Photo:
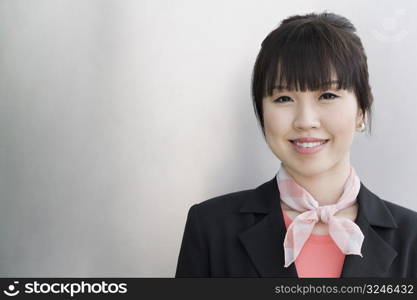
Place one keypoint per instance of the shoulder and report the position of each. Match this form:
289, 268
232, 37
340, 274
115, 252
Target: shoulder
386, 214
404, 221
224, 204
228, 213
404, 217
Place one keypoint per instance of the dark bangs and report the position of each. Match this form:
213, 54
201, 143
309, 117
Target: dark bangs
310, 53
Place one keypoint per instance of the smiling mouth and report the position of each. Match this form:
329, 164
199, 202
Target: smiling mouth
309, 144
308, 147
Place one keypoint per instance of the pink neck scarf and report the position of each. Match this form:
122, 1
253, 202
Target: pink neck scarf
345, 233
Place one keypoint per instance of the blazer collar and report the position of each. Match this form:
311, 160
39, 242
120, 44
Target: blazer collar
264, 240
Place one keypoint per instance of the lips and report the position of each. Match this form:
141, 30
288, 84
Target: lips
308, 140
308, 145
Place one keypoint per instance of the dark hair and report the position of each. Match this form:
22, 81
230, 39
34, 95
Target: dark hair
304, 52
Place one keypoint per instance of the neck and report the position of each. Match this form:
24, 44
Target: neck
326, 187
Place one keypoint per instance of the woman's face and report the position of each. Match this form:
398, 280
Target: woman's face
332, 115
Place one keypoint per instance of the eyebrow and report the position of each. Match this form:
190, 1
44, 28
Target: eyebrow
330, 83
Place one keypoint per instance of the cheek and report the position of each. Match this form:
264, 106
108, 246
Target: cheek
276, 123
343, 129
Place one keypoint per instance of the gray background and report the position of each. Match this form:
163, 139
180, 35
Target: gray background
117, 116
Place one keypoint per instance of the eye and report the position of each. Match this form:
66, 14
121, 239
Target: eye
283, 99
328, 96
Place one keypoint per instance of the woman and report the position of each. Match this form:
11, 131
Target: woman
315, 218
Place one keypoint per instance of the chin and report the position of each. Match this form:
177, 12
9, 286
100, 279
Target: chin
308, 169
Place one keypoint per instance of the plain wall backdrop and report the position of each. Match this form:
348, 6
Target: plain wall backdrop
117, 116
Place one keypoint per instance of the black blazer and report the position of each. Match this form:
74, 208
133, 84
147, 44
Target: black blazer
241, 234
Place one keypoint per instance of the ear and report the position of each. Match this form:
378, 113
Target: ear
360, 117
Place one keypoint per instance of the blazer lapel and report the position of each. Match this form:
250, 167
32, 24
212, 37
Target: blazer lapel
264, 240
377, 254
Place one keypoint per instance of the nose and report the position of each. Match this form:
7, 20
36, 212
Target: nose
306, 117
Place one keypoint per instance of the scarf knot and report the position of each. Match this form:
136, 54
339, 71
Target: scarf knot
325, 212
344, 232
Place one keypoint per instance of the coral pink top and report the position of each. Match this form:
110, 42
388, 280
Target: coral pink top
320, 257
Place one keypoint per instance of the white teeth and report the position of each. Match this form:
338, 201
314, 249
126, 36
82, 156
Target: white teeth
309, 145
